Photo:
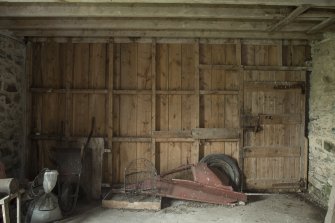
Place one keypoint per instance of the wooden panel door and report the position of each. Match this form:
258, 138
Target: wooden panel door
274, 146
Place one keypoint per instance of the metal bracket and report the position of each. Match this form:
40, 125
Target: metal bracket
257, 127
298, 85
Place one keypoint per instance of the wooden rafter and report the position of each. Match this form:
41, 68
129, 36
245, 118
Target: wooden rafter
165, 33
320, 3
322, 25
155, 18
135, 11
144, 24
294, 14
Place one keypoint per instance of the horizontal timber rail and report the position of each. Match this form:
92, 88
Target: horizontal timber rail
166, 40
260, 68
130, 92
73, 91
129, 138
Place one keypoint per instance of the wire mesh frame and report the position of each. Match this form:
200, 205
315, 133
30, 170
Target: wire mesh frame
140, 177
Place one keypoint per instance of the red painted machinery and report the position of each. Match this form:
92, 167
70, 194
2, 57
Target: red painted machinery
206, 182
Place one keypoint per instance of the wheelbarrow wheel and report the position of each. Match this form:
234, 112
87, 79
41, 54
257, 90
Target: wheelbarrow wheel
226, 165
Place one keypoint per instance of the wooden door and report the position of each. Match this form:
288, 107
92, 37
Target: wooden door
274, 156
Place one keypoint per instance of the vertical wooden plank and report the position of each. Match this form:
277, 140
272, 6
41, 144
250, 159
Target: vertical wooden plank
287, 53
264, 104
128, 115
261, 55
248, 54
97, 80
241, 111
231, 111
278, 170
52, 103
218, 78
67, 70
114, 158
188, 83
116, 162
187, 66
231, 54
162, 119
218, 108
186, 156
144, 102
205, 83
127, 154
248, 58
235, 152
280, 53
250, 105
299, 55
28, 118
304, 155
153, 102
97, 146
205, 52
164, 157
218, 54
116, 85
175, 102
128, 104
196, 144
144, 64
109, 111
162, 66
228, 148
80, 80
162, 109
175, 155
128, 78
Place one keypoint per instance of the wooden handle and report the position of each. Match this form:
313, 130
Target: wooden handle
9, 185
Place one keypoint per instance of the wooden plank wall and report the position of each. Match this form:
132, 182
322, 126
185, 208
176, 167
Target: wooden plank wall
220, 109
147, 97
175, 112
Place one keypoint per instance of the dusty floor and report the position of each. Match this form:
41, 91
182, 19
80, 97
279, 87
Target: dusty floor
276, 208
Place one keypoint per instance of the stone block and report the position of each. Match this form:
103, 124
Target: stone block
11, 87
329, 146
12, 74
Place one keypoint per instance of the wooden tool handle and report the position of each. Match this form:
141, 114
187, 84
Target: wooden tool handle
9, 185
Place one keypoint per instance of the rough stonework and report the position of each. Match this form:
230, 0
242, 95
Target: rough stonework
322, 120
12, 104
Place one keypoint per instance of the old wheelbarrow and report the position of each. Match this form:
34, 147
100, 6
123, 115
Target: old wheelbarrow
212, 180
70, 162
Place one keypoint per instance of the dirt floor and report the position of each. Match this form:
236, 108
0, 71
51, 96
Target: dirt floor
275, 208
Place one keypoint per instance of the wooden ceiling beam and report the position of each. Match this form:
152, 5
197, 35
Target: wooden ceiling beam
143, 24
135, 11
294, 14
165, 33
317, 3
324, 24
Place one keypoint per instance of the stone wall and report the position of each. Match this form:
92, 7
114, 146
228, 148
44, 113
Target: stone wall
322, 120
12, 104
